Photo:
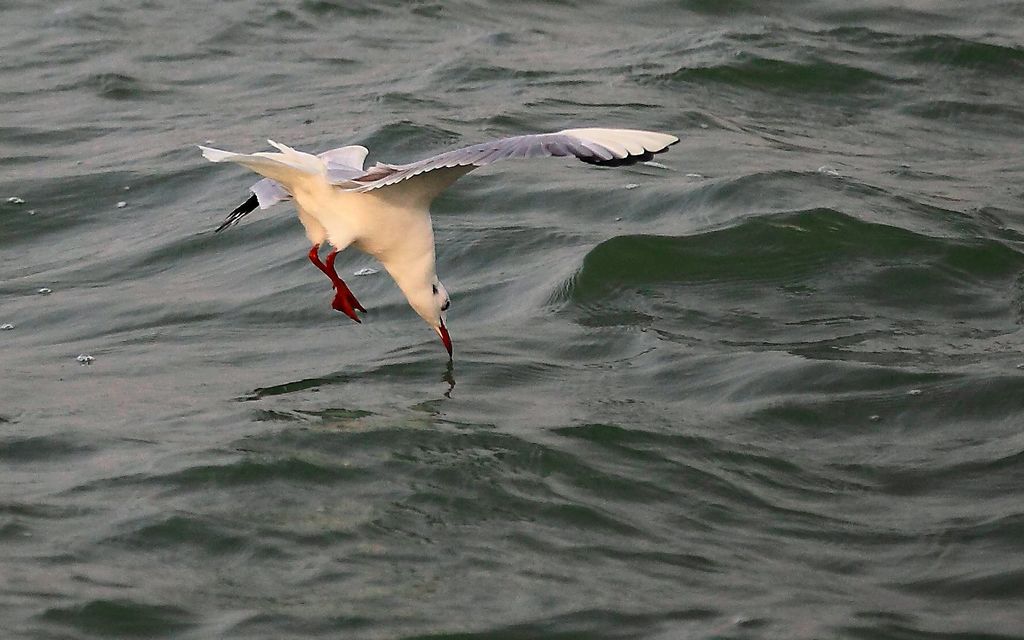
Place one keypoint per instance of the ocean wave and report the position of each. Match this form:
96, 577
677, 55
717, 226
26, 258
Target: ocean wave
787, 248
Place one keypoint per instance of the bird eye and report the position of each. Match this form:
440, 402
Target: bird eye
447, 303
434, 287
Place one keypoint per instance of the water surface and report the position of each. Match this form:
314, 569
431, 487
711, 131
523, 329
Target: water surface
770, 387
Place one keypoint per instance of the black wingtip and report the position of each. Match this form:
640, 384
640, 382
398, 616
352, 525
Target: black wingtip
243, 209
621, 162
629, 159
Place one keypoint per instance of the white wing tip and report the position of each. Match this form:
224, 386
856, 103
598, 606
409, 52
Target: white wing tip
215, 155
650, 141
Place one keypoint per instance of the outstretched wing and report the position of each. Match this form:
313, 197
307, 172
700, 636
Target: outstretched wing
265, 193
604, 147
339, 165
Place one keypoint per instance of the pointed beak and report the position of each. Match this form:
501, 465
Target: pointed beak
445, 338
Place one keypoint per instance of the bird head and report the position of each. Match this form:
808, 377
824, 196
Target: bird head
432, 303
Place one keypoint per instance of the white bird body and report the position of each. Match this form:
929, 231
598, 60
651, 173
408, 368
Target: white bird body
395, 230
385, 210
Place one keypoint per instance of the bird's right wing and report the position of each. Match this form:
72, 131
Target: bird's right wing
344, 163
603, 147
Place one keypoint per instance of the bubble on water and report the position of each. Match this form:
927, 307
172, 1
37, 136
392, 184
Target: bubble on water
828, 170
15, 200
914, 392
31, 212
703, 125
45, 291
122, 204
632, 185
874, 417
695, 176
7, 326
85, 358
365, 271
127, 188
618, 219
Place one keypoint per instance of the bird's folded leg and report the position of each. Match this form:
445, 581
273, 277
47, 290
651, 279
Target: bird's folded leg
344, 300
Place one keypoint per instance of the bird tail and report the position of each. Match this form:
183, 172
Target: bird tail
285, 166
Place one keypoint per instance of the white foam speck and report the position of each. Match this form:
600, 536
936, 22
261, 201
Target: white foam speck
85, 358
122, 204
365, 271
15, 200
632, 185
45, 291
828, 170
7, 326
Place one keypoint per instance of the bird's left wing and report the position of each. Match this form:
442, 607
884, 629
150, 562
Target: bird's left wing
265, 193
604, 147
339, 165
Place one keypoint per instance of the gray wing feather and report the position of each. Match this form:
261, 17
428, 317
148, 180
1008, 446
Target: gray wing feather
605, 147
344, 163
269, 192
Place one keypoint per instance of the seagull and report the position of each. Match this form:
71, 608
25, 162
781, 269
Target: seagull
384, 210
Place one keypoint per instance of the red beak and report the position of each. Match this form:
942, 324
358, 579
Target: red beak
445, 338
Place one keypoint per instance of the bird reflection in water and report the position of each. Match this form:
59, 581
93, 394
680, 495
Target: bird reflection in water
449, 377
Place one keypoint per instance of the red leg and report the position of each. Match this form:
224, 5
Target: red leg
314, 257
344, 301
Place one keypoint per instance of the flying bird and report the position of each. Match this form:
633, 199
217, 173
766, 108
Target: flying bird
384, 210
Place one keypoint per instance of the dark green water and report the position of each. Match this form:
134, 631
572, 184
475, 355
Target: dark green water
773, 388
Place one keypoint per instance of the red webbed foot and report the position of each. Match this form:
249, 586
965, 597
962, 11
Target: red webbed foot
344, 300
